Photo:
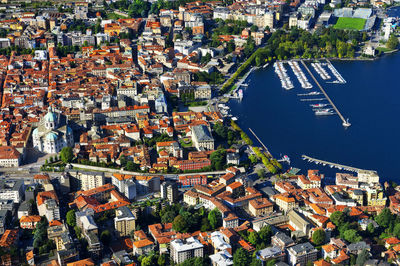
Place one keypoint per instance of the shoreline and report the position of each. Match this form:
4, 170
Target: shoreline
220, 98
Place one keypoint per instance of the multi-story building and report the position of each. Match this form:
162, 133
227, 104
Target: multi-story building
191, 180
10, 157
202, 138
301, 254
47, 204
142, 247
285, 203
182, 250
260, 206
124, 221
88, 180
282, 240
194, 164
54, 232
125, 184
203, 92
169, 191
171, 147
29, 222
375, 196
11, 189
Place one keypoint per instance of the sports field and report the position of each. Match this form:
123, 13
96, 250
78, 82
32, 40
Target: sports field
350, 24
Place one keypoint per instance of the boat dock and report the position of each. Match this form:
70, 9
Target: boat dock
336, 165
345, 122
294, 65
339, 77
265, 147
320, 70
314, 99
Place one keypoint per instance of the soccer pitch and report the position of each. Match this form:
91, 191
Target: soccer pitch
350, 23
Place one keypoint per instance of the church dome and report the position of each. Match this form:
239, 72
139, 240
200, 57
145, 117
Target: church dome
51, 136
50, 117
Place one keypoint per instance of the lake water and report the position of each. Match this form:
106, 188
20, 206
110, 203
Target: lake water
370, 99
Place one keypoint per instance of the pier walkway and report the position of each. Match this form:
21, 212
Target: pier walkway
336, 165
345, 122
265, 147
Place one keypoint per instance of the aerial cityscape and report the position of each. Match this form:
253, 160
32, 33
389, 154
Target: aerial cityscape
191, 133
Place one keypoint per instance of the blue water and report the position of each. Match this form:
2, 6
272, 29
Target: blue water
370, 99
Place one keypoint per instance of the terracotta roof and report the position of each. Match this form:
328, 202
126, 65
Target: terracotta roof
85, 262
142, 243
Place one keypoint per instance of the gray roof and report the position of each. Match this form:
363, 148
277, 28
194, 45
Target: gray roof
202, 133
358, 246
270, 252
303, 247
269, 191
124, 212
284, 238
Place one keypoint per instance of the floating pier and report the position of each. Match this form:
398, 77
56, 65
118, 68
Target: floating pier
294, 65
310, 100
345, 122
339, 77
336, 165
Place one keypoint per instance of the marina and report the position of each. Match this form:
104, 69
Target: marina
283, 76
345, 122
318, 67
336, 165
294, 65
339, 78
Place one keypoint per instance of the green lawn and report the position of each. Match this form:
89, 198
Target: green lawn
350, 24
383, 49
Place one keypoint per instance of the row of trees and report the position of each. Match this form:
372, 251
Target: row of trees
243, 135
271, 164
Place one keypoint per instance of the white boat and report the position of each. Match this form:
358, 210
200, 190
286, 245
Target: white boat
324, 112
234, 118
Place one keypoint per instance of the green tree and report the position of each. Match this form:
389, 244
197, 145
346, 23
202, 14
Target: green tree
392, 42
241, 258
168, 217
253, 158
385, 218
162, 260
266, 234
318, 237
180, 224
218, 159
371, 229
261, 173
66, 154
352, 236
362, 257
338, 218
105, 237
396, 230
215, 218
71, 219
254, 238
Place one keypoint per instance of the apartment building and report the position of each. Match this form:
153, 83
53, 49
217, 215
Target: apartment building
182, 250
124, 221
